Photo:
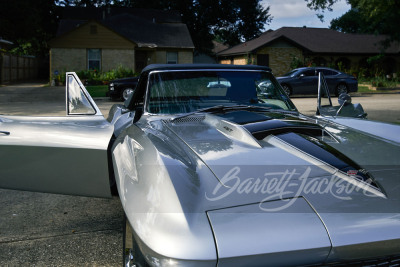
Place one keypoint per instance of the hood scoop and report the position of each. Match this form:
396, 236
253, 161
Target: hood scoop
260, 130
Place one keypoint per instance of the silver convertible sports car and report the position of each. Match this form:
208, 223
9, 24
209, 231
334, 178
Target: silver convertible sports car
215, 166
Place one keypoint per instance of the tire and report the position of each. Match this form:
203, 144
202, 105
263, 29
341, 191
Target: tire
286, 88
126, 92
131, 254
341, 88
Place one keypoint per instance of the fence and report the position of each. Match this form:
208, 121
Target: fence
18, 68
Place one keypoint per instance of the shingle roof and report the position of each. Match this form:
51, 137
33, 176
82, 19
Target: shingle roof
147, 33
218, 47
146, 28
317, 40
87, 13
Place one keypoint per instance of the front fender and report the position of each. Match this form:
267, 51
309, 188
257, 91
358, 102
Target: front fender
158, 194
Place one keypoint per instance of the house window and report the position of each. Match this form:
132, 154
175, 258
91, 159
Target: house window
94, 59
172, 57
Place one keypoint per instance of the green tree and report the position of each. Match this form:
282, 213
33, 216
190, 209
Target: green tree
28, 24
381, 17
240, 20
351, 22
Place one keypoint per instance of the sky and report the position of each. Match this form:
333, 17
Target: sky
295, 13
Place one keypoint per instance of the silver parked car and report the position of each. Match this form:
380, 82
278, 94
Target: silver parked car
215, 166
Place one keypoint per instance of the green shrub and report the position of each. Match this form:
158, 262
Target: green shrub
94, 77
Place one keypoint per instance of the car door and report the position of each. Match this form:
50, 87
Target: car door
330, 77
307, 82
66, 155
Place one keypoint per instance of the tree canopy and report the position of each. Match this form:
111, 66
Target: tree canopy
366, 16
31, 24
28, 24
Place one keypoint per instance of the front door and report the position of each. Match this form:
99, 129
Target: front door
140, 60
263, 60
66, 155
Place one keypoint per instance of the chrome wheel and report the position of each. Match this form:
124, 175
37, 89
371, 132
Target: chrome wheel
286, 89
341, 89
126, 93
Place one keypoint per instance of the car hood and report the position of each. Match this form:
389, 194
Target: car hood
241, 146
348, 178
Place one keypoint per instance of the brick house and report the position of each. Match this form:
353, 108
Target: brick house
312, 46
103, 39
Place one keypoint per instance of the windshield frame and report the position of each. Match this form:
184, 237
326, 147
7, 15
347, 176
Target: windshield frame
291, 106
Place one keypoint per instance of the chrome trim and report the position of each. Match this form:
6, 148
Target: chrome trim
85, 92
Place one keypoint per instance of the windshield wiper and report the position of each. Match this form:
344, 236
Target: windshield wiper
221, 108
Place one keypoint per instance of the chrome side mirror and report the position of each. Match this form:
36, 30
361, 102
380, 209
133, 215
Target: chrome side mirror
344, 99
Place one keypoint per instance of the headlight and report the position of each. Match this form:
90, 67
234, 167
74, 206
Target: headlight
111, 86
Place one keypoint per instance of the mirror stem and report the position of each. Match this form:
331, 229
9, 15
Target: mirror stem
341, 106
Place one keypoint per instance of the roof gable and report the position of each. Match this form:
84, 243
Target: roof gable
151, 34
89, 34
146, 28
317, 40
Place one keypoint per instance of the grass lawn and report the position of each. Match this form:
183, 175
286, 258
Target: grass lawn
97, 90
366, 89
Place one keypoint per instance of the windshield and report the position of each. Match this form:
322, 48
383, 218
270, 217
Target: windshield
177, 92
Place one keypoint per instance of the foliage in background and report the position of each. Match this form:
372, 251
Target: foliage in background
352, 22
29, 25
367, 16
94, 77
296, 63
97, 90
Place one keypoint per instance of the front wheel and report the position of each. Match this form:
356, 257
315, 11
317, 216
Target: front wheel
126, 93
286, 89
341, 89
131, 254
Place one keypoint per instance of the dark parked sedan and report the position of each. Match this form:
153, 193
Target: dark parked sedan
305, 81
122, 88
